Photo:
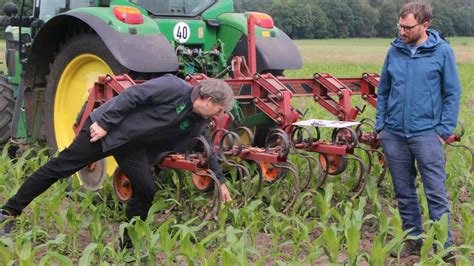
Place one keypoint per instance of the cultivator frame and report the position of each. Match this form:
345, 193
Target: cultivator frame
271, 95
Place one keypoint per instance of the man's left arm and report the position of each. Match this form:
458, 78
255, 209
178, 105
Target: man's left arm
450, 93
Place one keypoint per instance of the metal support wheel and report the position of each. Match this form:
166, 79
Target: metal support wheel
202, 182
122, 186
270, 172
92, 176
334, 163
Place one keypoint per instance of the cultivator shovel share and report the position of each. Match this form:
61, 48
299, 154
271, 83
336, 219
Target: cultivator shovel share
266, 130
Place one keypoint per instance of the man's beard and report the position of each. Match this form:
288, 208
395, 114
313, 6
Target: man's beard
410, 40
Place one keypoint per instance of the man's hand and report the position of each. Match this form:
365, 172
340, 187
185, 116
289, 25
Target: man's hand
97, 132
441, 140
225, 195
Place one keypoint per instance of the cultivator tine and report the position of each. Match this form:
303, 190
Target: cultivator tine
369, 158
245, 187
278, 139
214, 207
468, 149
325, 172
349, 137
370, 138
456, 138
345, 135
303, 136
230, 144
311, 161
216, 198
206, 149
247, 132
296, 185
179, 194
362, 179
383, 162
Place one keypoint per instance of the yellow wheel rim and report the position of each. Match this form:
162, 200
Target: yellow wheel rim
71, 93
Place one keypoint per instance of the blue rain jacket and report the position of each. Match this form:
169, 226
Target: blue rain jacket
419, 93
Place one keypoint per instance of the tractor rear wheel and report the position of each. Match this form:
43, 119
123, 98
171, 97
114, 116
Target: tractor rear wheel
77, 65
7, 104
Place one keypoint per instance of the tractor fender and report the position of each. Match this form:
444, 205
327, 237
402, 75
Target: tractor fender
274, 52
148, 53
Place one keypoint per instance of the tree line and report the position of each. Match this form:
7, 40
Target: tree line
309, 19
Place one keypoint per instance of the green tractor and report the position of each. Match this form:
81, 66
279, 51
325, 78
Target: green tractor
54, 56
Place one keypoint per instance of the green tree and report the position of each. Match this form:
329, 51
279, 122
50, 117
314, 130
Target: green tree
264, 6
340, 17
388, 17
463, 19
321, 23
357, 25
297, 24
442, 18
370, 18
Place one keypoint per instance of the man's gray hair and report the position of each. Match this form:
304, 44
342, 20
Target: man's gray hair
421, 11
218, 90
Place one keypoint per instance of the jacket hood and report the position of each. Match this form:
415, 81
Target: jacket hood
433, 39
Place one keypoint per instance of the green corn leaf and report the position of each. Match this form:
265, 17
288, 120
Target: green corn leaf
50, 255
352, 234
441, 228
87, 255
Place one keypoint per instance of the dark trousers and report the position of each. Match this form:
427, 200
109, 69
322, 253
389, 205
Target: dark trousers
406, 157
132, 159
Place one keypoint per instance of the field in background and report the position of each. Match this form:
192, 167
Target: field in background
369, 51
352, 57
82, 227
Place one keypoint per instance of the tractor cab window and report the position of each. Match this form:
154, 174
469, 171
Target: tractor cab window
50, 8
175, 7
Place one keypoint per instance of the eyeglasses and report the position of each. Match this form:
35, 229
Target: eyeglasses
406, 28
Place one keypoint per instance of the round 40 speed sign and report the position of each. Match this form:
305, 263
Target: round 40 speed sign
181, 32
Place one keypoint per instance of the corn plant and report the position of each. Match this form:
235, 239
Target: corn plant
382, 245
277, 227
323, 202
238, 250
26, 252
353, 220
333, 237
466, 226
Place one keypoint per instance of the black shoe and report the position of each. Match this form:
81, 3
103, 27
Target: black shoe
7, 224
126, 242
450, 258
410, 248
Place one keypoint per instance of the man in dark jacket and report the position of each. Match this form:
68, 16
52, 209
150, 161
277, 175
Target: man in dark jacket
417, 110
135, 127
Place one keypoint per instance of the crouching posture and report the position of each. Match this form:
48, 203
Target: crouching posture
135, 127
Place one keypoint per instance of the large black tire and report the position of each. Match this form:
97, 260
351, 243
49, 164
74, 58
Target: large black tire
85, 43
7, 104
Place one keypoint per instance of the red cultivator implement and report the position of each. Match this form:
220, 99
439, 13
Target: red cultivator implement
262, 129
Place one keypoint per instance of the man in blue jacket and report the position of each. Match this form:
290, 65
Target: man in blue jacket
417, 110
136, 127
